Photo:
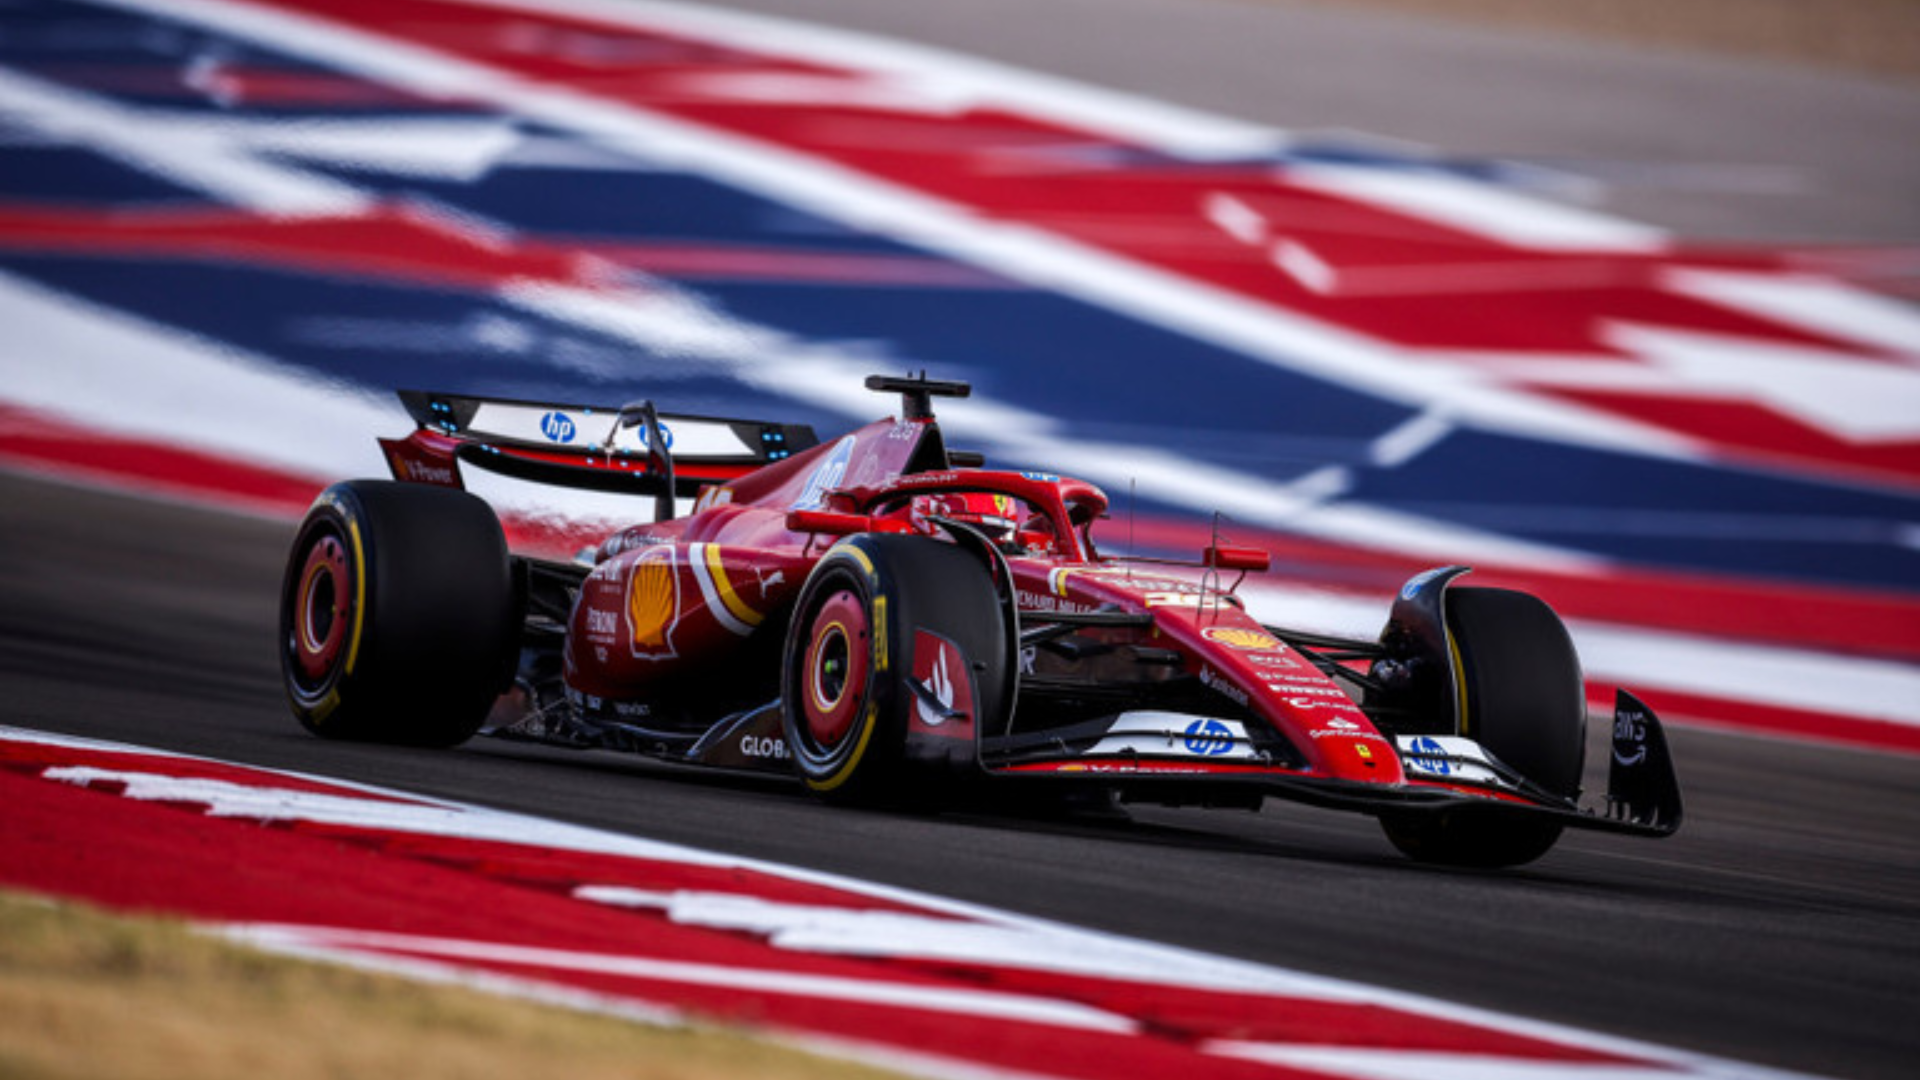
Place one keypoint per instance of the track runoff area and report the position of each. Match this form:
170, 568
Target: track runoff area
229, 230
667, 934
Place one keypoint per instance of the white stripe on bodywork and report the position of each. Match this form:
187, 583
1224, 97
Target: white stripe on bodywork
710, 591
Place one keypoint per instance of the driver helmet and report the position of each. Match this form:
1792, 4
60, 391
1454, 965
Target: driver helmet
994, 515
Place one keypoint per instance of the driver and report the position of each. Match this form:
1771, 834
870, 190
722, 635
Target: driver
996, 516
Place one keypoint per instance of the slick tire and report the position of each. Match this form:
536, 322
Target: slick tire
1526, 703
846, 677
397, 614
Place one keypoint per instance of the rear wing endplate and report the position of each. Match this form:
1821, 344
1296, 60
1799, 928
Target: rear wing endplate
592, 447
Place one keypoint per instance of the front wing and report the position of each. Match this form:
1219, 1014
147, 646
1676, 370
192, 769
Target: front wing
1445, 774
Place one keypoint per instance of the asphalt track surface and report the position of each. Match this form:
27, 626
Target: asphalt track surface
1780, 927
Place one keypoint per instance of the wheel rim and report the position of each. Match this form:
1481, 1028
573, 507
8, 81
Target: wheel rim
322, 608
834, 675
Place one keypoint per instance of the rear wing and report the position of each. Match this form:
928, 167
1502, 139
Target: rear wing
629, 449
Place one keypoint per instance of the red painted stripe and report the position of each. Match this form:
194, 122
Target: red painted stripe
171, 857
1401, 278
1857, 621
395, 241
1151, 214
1750, 717
235, 84
387, 241
42, 443
33, 758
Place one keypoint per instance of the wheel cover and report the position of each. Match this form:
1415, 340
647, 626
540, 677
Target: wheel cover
323, 609
833, 676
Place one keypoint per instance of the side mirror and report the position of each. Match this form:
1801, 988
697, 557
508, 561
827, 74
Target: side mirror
1224, 557
835, 523
829, 522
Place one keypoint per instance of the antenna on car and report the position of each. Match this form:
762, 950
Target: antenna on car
1131, 549
1210, 579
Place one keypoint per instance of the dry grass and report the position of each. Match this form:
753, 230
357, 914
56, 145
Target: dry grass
85, 995
1877, 37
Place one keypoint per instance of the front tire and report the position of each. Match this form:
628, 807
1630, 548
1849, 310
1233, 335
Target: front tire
397, 614
846, 686
1525, 702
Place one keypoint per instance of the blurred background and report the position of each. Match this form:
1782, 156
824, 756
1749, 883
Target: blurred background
1612, 301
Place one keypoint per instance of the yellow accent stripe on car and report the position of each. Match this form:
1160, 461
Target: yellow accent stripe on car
723, 588
852, 764
359, 594
1464, 723
861, 557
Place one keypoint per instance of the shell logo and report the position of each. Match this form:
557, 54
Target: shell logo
653, 601
1239, 637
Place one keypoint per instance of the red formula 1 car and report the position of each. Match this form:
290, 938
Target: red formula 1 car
887, 620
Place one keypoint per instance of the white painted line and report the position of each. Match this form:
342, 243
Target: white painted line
1482, 209
628, 1008
1308, 270
1648, 659
1154, 962
1235, 218
1366, 1064
989, 1004
1256, 329
1820, 304
945, 79
842, 931
103, 368
1858, 399
185, 150
1409, 440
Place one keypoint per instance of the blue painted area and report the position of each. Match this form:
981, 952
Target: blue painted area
69, 178
1656, 511
1107, 377
1091, 373
138, 60
633, 204
388, 337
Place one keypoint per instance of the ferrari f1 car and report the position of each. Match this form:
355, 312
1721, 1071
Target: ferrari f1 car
886, 620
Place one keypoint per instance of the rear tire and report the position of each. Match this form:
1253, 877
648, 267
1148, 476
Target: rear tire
1525, 702
398, 618
845, 689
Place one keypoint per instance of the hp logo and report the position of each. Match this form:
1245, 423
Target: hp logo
646, 442
1208, 738
557, 427
1428, 756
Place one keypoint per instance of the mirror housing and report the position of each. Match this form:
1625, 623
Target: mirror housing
1228, 557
